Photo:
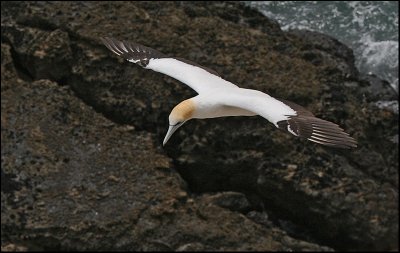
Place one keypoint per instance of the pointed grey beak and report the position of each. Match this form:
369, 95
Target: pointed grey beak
171, 130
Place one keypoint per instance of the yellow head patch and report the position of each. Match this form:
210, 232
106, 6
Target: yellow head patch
183, 111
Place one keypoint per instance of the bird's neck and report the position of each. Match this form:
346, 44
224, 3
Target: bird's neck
207, 108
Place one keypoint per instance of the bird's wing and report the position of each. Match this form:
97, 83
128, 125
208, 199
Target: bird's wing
288, 116
199, 78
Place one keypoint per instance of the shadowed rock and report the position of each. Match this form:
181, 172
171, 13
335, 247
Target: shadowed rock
76, 177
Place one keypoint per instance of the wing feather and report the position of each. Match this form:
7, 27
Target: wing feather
199, 78
289, 117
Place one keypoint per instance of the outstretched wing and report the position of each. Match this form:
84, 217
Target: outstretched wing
289, 116
200, 79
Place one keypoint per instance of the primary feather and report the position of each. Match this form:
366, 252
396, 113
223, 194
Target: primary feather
218, 97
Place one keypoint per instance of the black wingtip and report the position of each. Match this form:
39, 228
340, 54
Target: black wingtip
318, 131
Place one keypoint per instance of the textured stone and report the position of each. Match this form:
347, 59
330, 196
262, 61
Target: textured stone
76, 177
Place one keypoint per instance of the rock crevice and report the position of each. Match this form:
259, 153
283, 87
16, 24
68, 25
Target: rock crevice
73, 179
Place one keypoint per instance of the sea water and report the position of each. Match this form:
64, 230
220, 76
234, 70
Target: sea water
370, 28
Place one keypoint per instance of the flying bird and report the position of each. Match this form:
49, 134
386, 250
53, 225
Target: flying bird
218, 97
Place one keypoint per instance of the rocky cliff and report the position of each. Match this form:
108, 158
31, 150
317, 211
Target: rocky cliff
81, 131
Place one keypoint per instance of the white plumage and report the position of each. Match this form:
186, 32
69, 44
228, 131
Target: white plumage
219, 98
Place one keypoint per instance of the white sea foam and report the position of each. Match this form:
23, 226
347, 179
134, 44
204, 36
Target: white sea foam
370, 28
389, 105
379, 57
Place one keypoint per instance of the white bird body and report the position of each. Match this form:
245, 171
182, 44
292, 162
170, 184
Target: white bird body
197, 78
240, 102
210, 107
220, 98
216, 94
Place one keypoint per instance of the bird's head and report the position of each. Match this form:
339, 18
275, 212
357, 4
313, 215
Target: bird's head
178, 116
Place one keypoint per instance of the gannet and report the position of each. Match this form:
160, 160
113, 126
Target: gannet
218, 97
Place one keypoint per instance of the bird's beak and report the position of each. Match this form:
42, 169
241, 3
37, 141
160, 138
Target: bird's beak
171, 130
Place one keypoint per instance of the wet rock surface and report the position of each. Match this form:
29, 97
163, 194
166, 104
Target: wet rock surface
82, 162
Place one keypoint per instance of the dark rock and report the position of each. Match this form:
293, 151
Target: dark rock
76, 178
8, 71
72, 179
12, 247
41, 54
234, 201
191, 247
260, 218
297, 245
321, 49
375, 89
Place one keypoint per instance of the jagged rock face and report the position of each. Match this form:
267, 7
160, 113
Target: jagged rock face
82, 162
